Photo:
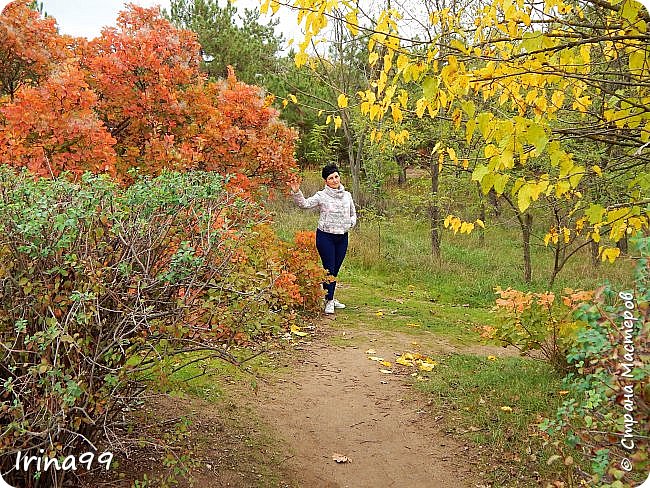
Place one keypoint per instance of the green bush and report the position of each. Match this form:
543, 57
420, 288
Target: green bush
99, 283
605, 414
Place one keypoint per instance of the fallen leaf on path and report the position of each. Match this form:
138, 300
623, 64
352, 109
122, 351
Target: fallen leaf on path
296, 330
404, 362
386, 371
340, 458
371, 351
427, 366
375, 358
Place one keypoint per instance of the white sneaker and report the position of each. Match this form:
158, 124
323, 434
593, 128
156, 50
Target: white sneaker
329, 306
338, 304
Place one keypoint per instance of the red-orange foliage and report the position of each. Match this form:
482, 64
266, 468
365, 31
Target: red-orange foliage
29, 46
52, 128
158, 110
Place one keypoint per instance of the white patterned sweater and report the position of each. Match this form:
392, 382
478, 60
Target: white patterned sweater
337, 212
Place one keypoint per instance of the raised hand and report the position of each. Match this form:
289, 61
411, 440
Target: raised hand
294, 184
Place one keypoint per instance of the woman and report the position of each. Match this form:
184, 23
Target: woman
337, 217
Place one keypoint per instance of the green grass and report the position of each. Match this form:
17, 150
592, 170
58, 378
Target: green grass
396, 252
496, 404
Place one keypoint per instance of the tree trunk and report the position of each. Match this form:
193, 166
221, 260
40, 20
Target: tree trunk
526, 228
401, 173
492, 196
594, 253
434, 209
482, 215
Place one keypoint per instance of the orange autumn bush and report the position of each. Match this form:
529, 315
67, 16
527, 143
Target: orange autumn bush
537, 323
133, 98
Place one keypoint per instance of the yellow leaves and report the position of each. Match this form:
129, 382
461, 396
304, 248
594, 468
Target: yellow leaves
396, 113
342, 101
552, 236
352, 22
506, 409
423, 363
372, 58
457, 225
582, 103
403, 98
337, 122
296, 331
398, 138
402, 62
403, 361
301, 59
452, 154
530, 192
379, 313
596, 169
491, 358
557, 99
426, 365
420, 107
375, 112
610, 254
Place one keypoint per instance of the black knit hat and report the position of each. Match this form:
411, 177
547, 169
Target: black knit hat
328, 170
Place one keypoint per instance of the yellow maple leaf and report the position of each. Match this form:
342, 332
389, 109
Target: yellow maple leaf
342, 101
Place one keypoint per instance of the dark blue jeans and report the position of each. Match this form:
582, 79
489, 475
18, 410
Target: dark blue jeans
332, 249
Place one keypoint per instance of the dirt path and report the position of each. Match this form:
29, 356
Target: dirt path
335, 400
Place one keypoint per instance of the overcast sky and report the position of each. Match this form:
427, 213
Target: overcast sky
87, 17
